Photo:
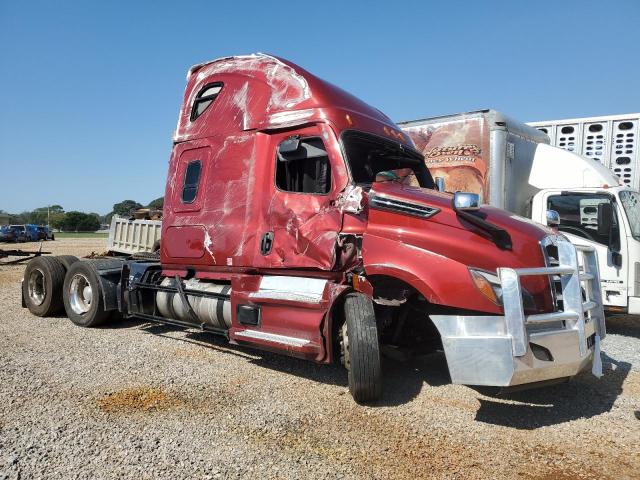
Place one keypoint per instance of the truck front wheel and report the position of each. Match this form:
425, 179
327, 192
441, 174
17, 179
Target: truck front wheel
82, 295
360, 348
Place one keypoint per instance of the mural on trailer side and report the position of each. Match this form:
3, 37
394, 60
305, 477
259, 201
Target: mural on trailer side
454, 152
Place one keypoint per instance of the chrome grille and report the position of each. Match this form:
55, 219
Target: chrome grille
580, 286
551, 259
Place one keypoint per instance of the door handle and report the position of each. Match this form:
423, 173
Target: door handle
266, 243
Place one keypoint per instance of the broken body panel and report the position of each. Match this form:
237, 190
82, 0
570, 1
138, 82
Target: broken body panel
285, 195
320, 239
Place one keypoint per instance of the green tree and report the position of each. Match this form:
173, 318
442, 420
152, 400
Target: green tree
20, 218
125, 207
39, 216
56, 220
89, 223
80, 222
157, 204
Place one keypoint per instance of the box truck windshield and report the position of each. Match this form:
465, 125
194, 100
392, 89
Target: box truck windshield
579, 216
631, 203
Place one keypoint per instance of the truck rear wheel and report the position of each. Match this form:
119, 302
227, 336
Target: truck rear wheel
67, 261
82, 295
42, 286
361, 349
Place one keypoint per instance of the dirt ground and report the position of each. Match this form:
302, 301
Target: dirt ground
134, 399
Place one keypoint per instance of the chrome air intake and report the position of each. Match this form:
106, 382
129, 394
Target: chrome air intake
379, 202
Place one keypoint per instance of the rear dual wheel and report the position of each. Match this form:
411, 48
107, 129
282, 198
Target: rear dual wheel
42, 286
52, 284
82, 295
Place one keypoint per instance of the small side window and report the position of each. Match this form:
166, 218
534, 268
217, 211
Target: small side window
302, 166
191, 181
205, 98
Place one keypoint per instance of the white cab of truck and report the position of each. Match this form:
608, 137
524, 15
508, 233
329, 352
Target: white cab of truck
512, 166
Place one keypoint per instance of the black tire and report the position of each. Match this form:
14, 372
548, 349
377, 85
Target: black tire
42, 286
76, 299
53, 237
361, 348
67, 261
156, 247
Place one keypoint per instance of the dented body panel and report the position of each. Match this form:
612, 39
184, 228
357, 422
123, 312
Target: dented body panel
433, 255
284, 193
235, 138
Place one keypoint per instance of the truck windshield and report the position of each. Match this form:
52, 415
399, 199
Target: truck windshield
368, 155
631, 203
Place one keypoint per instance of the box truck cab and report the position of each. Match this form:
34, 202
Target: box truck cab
512, 166
300, 220
609, 220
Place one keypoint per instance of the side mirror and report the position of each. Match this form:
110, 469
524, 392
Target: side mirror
466, 201
553, 218
605, 219
616, 259
439, 184
289, 145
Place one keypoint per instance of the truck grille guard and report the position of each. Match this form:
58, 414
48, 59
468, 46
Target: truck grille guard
576, 268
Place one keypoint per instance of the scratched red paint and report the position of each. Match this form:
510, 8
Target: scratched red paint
263, 101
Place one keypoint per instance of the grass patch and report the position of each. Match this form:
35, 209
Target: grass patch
81, 234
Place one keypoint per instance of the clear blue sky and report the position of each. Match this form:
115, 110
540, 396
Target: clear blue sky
90, 91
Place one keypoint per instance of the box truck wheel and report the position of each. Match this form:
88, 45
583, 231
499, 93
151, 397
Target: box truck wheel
82, 295
360, 348
42, 286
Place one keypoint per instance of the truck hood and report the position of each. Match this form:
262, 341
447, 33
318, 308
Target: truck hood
453, 243
444, 232
554, 167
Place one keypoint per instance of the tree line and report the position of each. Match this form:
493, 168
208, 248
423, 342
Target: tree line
75, 221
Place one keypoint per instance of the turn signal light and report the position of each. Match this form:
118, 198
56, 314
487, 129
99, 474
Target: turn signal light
485, 287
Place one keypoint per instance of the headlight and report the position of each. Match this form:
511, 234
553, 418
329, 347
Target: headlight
489, 285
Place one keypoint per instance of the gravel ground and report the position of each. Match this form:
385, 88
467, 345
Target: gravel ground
135, 400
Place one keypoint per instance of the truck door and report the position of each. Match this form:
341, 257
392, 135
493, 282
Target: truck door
184, 234
579, 222
303, 222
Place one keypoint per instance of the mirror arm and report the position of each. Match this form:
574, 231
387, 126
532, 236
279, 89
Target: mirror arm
499, 236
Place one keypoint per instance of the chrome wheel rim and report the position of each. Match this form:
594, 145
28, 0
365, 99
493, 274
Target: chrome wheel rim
37, 286
80, 294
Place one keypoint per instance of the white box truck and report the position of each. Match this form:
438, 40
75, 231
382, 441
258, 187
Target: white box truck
610, 139
512, 165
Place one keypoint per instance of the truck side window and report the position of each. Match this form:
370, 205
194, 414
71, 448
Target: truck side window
191, 180
205, 98
305, 169
579, 216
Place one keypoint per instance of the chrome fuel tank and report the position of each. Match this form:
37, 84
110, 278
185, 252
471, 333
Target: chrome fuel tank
210, 310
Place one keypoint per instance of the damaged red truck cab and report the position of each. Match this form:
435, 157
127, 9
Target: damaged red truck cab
300, 220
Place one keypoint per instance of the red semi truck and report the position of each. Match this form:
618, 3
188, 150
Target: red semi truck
291, 225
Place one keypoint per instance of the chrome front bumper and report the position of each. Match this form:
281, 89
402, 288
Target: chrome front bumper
515, 349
